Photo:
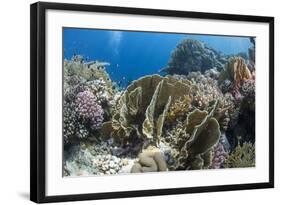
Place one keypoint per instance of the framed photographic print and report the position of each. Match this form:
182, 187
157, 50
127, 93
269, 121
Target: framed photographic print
129, 102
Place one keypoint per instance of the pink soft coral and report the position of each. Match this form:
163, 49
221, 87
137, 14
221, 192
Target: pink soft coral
89, 109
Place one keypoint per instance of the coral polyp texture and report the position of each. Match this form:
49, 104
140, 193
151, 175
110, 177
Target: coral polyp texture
88, 109
187, 104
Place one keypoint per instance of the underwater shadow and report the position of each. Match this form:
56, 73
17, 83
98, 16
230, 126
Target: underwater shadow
24, 195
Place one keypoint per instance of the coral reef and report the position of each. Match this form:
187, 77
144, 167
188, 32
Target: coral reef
198, 114
242, 156
192, 55
150, 160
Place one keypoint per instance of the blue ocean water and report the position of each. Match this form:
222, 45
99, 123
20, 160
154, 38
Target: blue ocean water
134, 54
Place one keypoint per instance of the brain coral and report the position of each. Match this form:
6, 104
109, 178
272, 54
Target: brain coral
88, 109
192, 55
150, 160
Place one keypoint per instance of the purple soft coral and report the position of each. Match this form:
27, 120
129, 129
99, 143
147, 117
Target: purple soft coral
89, 109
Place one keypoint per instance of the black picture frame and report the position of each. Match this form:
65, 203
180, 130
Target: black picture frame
38, 101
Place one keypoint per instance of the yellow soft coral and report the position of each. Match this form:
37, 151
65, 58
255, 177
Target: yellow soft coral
179, 108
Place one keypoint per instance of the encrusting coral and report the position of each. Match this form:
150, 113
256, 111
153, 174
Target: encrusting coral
192, 55
150, 160
242, 156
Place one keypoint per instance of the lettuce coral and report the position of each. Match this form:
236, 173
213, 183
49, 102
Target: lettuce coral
194, 140
142, 108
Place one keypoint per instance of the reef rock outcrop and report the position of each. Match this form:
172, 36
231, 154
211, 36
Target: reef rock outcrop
192, 55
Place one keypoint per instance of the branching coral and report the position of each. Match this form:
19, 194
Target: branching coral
89, 71
70, 121
150, 160
242, 156
88, 109
192, 55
